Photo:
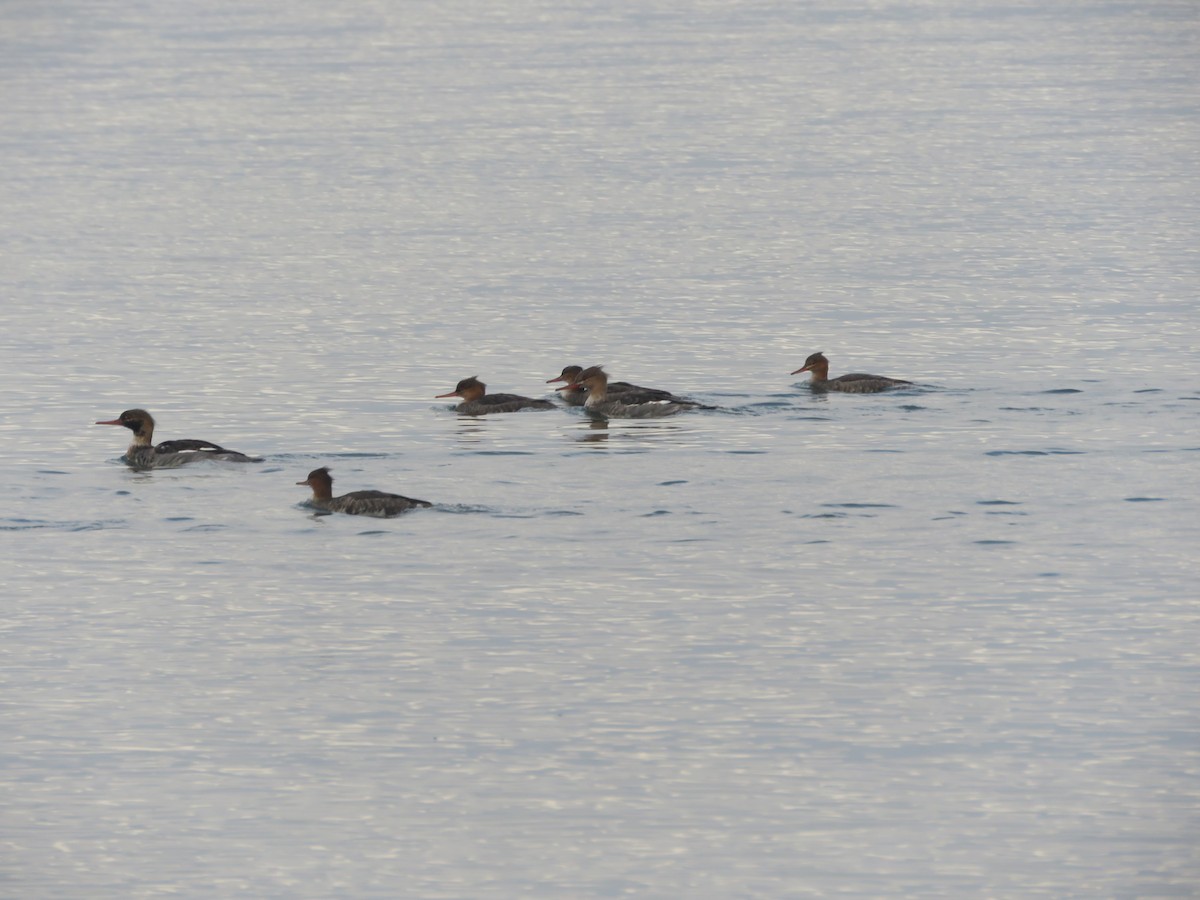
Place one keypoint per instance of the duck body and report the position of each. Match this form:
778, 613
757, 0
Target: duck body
501, 403
476, 401
576, 394
854, 383
378, 504
634, 403
143, 453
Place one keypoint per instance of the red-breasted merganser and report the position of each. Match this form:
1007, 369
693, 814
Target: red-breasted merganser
379, 504
855, 383
630, 404
576, 394
143, 454
476, 401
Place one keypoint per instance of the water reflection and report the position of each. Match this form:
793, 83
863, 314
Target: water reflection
599, 432
636, 430
471, 429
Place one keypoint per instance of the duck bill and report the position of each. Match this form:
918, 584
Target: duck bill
113, 422
802, 371
444, 396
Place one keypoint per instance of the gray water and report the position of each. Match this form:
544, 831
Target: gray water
935, 643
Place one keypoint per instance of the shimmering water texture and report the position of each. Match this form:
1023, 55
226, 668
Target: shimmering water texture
933, 642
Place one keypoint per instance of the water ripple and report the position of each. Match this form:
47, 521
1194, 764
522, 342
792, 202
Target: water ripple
41, 524
1050, 452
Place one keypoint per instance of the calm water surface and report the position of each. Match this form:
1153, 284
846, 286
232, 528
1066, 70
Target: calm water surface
936, 643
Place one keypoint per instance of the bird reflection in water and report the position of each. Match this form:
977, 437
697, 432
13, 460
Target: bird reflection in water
601, 430
471, 429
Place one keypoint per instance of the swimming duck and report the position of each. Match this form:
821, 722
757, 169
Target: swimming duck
379, 504
576, 395
144, 454
631, 404
856, 383
476, 401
